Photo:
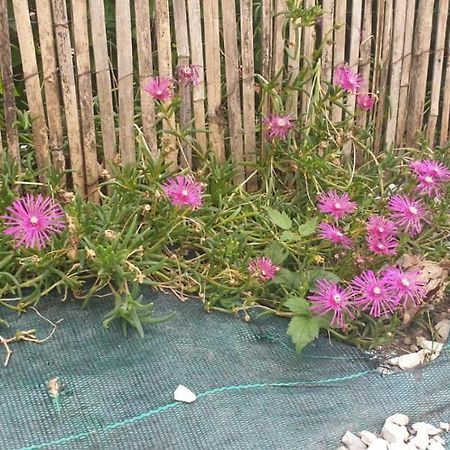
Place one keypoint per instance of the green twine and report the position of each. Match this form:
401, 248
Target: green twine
161, 409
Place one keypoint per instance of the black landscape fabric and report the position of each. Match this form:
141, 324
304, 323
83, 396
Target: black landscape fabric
254, 391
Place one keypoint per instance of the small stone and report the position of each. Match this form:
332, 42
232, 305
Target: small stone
398, 446
398, 419
435, 347
378, 444
442, 329
407, 340
426, 428
420, 440
444, 426
367, 437
353, 442
408, 361
435, 446
183, 394
437, 439
394, 433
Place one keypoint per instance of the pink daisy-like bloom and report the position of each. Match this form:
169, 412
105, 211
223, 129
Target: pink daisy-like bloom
262, 268
334, 234
373, 294
382, 245
278, 126
407, 285
329, 297
337, 205
408, 213
33, 220
380, 226
160, 88
365, 101
345, 78
183, 191
428, 185
433, 168
189, 74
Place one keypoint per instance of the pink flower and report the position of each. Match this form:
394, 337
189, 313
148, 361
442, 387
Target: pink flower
373, 294
380, 226
408, 213
189, 74
183, 191
430, 175
336, 205
365, 101
428, 185
348, 80
278, 126
382, 245
160, 88
32, 220
262, 268
329, 297
334, 234
407, 285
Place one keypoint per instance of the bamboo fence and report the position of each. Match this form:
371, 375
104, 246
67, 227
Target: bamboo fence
84, 71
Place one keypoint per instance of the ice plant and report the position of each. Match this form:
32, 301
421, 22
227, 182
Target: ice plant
372, 294
278, 126
334, 234
382, 245
407, 285
381, 226
337, 205
329, 297
365, 101
408, 213
348, 80
183, 191
32, 221
189, 74
262, 268
430, 176
160, 88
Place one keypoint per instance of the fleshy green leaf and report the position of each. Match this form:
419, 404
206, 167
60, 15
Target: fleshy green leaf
276, 253
298, 305
308, 227
281, 220
303, 330
320, 274
287, 278
289, 236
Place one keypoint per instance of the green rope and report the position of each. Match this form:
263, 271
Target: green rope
160, 409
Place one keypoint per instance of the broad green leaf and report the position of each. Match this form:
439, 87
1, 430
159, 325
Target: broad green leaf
308, 227
276, 253
289, 236
303, 330
298, 305
287, 278
320, 274
281, 220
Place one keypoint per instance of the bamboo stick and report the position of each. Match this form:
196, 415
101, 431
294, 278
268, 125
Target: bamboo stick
51, 84
12, 138
419, 67
198, 92
233, 88
385, 56
64, 50
32, 82
445, 115
81, 41
339, 46
406, 65
396, 70
145, 52
164, 46
182, 39
125, 81
439, 48
102, 70
309, 40
212, 60
248, 90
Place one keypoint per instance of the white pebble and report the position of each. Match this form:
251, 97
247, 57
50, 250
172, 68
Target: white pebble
367, 437
444, 426
183, 394
426, 428
378, 444
408, 361
353, 442
398, 419
431, 346
398, 446
443, 329
420, 440
394, 433
435, 446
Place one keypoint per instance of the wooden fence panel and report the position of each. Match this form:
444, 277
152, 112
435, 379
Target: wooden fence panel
266, 48
309, 41
340, 21
445, 116
12, 138
32, 82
